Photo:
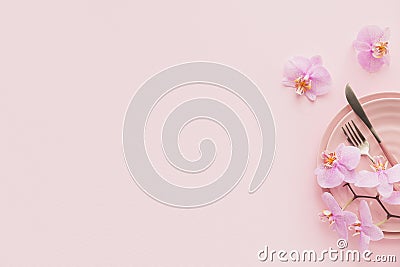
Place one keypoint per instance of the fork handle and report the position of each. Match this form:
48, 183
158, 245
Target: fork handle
371, 158
392, 160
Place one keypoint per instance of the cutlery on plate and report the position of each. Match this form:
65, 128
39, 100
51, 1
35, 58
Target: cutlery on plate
357, 139
358, 109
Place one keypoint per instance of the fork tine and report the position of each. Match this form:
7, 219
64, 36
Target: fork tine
358, 131
351, 135
348, 138
356, 136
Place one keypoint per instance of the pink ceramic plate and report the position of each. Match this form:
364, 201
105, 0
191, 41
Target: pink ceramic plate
383, 110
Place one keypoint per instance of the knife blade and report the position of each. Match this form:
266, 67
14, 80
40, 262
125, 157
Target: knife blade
359, 110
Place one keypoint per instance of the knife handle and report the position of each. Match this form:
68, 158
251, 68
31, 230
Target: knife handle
392, 160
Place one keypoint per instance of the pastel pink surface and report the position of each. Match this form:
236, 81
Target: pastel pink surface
68, 70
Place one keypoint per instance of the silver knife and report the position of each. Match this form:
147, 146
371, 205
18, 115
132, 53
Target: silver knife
358, 109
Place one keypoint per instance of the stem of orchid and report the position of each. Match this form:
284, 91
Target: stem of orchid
348, 203
382, 222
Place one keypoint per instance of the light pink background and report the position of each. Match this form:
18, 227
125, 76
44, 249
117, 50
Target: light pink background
68, 70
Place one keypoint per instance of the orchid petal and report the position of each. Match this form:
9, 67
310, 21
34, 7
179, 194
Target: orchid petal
341, 227
322, 89
349, 176
349, 156
369, 63
296, 67
367, 179
330, 201
365, 213
374, 232
316, 60
329, 177
361, 46
370, 34
349, 217
311, 95
321, 79
364, 241
393, 174
385, 189
301, 63
320, 75
288, 83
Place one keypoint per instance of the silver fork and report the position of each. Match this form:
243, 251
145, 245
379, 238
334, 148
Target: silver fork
357, 139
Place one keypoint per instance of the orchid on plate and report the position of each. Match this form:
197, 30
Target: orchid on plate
382, 178
307, 76
339, 220
338, 166
372, 46
365, 227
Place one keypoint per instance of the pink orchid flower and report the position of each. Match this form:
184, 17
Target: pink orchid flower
372, 47
339, 220
365, 228
307, 76
382, 177
338, 166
